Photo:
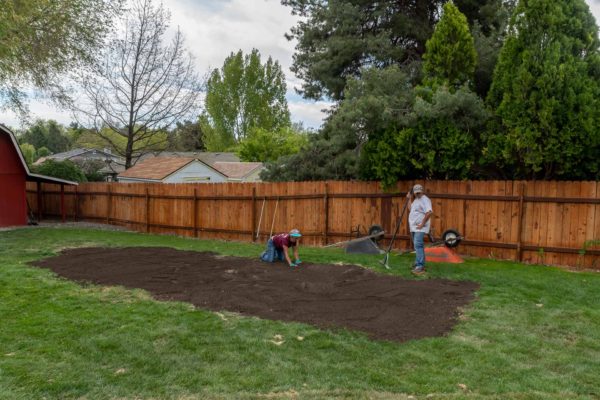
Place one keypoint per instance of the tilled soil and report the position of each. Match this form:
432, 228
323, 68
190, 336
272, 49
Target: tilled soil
327, 296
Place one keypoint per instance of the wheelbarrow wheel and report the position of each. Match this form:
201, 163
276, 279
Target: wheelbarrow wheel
451, 238
375, 230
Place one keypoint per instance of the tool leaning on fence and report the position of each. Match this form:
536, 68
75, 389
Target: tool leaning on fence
398, 223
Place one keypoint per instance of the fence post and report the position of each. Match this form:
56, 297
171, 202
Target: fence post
147, 210
76, 202
253, 213
63, 214
326, 207
109, 205
520, 222
39, 197
195, 212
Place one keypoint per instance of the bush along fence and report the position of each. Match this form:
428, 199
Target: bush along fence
542, 222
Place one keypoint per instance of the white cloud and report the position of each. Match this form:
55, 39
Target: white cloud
39, 109
309, 113
214, 33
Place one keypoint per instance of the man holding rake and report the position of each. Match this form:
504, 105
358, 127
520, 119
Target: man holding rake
419, 222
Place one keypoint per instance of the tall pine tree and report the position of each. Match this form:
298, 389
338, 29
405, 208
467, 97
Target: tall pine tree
340, 39
546, 93
450, 58
441, 140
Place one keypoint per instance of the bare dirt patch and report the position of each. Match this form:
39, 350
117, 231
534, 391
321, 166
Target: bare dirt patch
327, 296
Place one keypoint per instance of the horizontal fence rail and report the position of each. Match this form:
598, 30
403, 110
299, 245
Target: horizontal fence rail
554, 223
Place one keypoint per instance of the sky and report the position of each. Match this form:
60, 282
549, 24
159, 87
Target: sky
213, 30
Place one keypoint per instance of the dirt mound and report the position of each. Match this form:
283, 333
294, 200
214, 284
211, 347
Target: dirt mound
327, 296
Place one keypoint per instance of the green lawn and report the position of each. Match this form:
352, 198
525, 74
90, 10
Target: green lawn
533, 333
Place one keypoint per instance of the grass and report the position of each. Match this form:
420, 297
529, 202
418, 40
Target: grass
533, 333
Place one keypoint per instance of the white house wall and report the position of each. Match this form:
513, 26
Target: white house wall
195, 172
254, 176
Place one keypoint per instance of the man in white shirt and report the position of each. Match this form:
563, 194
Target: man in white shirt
419, 220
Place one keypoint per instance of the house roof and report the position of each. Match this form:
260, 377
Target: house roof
81, 152
158, 168
237, 170
206, 157
30, 176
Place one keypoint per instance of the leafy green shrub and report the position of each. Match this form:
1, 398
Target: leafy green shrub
61, 169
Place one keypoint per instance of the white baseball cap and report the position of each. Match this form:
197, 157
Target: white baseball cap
418, 188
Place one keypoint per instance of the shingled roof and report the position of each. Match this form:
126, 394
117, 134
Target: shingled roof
159, 168
156, 168
236, 170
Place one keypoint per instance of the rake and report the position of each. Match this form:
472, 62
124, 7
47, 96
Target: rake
387, 253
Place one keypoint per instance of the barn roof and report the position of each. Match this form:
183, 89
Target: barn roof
31, 177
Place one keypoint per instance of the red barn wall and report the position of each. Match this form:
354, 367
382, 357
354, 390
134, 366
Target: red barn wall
13, 206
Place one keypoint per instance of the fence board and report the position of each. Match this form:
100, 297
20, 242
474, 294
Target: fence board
593, 261
558, 217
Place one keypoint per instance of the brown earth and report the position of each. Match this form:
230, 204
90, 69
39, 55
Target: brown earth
327, 296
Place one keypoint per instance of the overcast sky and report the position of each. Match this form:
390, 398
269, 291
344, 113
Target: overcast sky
215, 28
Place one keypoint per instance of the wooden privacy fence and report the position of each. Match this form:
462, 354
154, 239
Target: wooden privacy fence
554, 223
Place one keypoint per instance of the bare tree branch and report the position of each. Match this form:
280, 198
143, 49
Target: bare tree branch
144, 85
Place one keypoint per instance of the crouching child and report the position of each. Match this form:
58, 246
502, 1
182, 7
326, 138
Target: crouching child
278, 247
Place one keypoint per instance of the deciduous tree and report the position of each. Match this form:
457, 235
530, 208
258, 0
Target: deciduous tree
60, 169
267, 146
40, 40
241, 96
144, 84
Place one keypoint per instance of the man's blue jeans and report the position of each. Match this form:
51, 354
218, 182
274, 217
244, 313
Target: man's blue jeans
419, 242
271, 253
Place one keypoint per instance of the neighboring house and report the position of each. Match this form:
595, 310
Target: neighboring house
113, 164
187, 170
14, 174
240, 171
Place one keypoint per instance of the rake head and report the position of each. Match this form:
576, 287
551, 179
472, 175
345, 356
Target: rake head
385, 260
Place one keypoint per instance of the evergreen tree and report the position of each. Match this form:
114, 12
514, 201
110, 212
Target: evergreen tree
36, 135
488, 20
57, 140
47, 134
439, 137
337, 39
490, 15
380, 99
450, 58
546, 93
441, 140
